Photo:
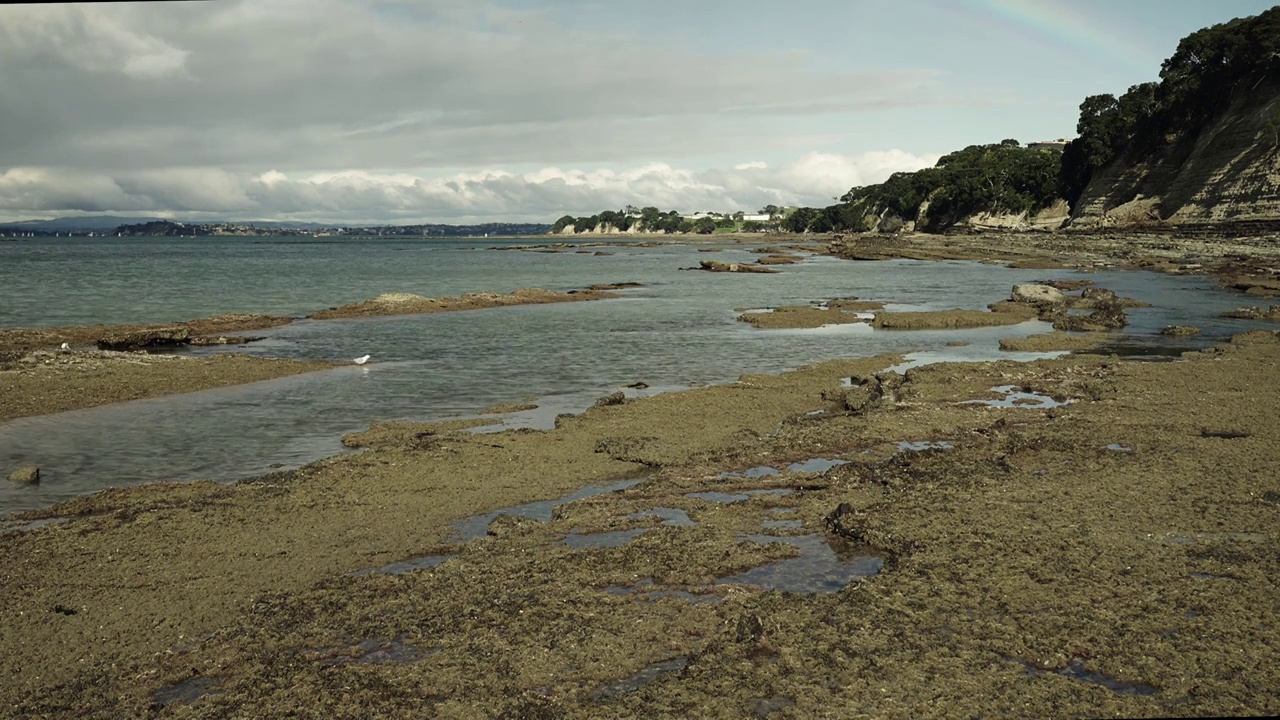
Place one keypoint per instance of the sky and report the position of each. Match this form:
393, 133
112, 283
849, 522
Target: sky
461, 111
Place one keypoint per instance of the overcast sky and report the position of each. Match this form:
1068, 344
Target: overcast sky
477, 110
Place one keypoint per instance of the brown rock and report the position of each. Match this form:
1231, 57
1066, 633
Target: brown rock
1180, 331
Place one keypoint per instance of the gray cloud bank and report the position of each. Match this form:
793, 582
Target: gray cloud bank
389, 110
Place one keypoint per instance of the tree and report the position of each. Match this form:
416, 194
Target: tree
562, 223
704, 226
798, 221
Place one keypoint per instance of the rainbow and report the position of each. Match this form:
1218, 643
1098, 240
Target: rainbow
1063, 23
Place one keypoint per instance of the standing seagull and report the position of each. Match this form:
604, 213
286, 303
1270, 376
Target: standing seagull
362, 359
66, 346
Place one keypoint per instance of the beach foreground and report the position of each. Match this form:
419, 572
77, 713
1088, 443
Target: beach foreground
1105, 556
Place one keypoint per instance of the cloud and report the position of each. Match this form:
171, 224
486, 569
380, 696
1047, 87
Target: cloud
249, 85
399, 110
89, 38
359, 196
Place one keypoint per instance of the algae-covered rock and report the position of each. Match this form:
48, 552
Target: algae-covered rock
28, 474
947, 319
1038, 295
1180, 331
145, 339
1254, 313
716, 266
1052, 342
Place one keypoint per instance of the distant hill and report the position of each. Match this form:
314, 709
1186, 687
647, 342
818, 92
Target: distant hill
97, 223
88, 223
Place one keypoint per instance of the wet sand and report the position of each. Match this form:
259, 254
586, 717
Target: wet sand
1106, 556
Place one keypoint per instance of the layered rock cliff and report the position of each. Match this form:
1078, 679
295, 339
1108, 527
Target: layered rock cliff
1227, 171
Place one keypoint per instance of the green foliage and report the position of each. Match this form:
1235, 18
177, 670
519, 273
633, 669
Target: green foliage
562, 223
704, 226
1210, 68
1004, 177
799, 220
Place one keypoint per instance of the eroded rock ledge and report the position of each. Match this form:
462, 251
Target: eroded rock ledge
410, 304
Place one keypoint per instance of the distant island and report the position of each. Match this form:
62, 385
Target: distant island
143, 227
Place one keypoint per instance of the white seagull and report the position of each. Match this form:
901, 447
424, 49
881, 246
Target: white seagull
66, 346
362, 359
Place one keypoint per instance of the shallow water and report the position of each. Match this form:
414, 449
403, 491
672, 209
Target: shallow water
678, 330
477, 526
816, 570
646, 676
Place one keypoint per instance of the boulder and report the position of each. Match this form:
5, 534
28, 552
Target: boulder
145, 339
1180, 331
1038, 295
616, 398
28, 474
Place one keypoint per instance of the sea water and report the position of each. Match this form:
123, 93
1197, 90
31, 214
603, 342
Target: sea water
677, 330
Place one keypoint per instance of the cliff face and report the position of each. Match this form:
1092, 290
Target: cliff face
1229, 171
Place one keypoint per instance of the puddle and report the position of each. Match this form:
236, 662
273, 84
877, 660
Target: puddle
774, 492
1076, 671
755, 472
816, 465
816, 413
187, 691
477, 526
618, 688
1014, 398
425, 562
783, 524
613, 538
673, 517
1115, 447
17, 526
370, 652
817, 569
782, 511
922, 445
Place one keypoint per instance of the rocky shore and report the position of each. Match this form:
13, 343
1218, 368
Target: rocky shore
1063, 552
1084, 536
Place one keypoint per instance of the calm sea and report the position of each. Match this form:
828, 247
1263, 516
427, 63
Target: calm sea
678, 330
